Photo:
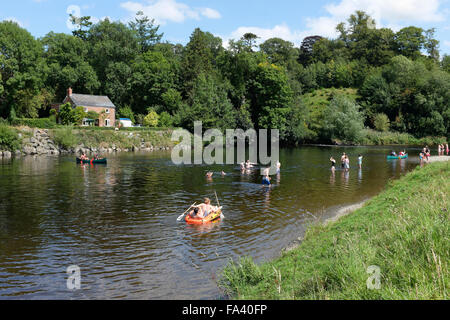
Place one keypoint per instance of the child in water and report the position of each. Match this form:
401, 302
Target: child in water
360, 157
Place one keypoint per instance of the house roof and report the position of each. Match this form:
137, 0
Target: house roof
87, 100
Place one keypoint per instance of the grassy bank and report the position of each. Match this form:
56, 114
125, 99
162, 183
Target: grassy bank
405, 231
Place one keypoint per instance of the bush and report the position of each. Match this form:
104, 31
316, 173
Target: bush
165, 120
9, 138
381, 122
151, 120
65, 138
43, 123
343, 121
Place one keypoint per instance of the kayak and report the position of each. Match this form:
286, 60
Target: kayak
213, 217
397, 157
92, 161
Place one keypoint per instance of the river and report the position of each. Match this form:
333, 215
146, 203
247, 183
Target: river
117, 222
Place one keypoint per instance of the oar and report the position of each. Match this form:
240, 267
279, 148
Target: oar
181, 217
218, 204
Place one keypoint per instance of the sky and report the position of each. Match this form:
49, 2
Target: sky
291, 20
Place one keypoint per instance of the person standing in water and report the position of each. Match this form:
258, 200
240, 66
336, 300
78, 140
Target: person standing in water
333, 164
278, 167
360, 158
347, 163
343, 160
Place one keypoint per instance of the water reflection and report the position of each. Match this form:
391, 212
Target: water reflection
118, 221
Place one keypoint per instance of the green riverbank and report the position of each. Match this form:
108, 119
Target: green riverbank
24, 140
405, 231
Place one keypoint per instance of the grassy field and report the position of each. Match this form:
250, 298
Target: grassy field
404, 231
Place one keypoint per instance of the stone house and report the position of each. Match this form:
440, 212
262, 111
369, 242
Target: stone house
100, 104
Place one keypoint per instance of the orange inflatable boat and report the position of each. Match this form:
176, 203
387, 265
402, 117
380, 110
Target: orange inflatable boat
213, 217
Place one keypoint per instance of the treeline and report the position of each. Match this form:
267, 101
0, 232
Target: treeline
401, 82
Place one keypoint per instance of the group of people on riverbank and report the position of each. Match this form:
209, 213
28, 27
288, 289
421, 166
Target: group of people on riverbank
443, 149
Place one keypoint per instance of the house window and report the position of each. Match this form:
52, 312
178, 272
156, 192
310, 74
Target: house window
107, 110
107, 123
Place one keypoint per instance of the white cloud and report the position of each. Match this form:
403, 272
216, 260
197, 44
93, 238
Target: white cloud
279, 31
210, 13
386, 13
169, 10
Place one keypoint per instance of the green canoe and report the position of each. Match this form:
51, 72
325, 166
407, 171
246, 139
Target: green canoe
397, 157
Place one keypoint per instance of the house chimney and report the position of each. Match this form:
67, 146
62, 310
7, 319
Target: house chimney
69, 92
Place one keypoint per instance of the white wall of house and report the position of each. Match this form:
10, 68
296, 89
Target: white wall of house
126, 123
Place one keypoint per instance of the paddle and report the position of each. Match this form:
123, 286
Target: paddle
218, 204
181, 217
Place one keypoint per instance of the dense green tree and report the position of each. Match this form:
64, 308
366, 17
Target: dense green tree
410, 41
146, 31
343, 121
109, 43
199, 56
22, 69
152, 77
82, 25
208, 102
67, 60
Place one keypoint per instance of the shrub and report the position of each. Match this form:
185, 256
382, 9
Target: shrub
9, 138
151, 120
381, 122
43, 123
65, 138
66, 114
165, 120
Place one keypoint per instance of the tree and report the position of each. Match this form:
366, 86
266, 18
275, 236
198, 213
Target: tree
409, 42
110, 43
81, 24
280, 52
199, 56
152, 78
22, 70
381, 122
431, 44
66, 114
271, 97
249, 40
208, 102
67, 59
343, 120
146, 31
445, 64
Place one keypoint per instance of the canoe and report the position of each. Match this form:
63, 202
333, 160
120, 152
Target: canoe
213, 217
397, 157
92, 161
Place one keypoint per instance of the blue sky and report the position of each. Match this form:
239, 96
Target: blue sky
288, 19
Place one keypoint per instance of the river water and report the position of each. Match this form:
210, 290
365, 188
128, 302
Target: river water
117, 222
